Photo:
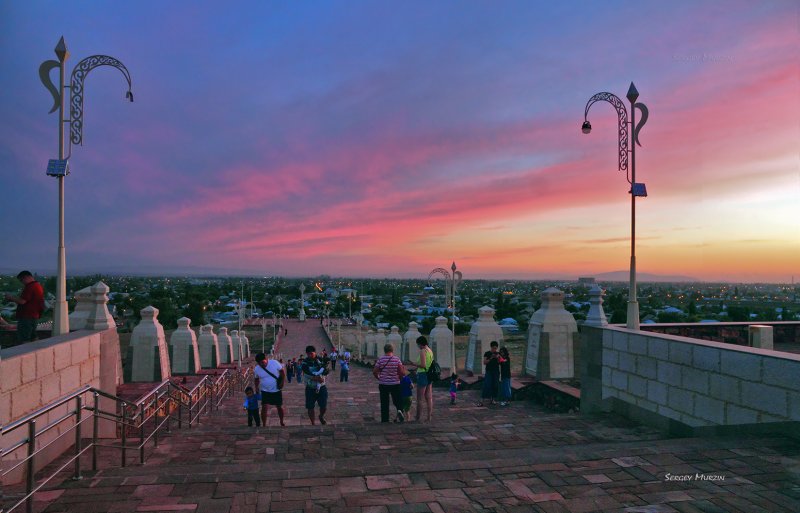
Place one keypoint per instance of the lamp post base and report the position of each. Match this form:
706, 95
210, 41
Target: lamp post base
633, 315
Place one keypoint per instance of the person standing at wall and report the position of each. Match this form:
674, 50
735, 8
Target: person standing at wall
30, 305
491, 377
505, 376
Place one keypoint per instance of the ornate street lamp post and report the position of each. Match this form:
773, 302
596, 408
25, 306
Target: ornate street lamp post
451, 282
60, 167
637, 189
359, 321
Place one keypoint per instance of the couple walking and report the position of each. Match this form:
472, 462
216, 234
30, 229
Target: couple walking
395, 383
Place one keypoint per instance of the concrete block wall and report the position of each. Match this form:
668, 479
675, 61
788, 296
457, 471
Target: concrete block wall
35, 374
679, 382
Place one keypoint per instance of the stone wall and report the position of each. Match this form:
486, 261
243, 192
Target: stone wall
35, 374
688, 386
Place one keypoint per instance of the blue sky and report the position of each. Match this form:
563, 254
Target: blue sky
378, 138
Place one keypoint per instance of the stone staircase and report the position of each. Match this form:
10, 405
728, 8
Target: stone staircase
519, 458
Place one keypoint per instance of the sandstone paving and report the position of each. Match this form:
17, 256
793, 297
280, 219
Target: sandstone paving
519, 458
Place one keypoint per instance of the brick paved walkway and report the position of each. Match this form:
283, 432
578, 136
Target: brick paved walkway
515, 459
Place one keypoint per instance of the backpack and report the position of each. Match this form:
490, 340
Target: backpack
434, 372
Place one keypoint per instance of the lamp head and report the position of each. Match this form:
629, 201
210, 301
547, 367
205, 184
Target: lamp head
129, 96
586, 127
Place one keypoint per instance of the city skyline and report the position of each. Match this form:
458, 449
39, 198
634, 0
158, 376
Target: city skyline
376, 139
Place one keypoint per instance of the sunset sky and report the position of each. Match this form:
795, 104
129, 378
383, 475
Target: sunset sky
372, 138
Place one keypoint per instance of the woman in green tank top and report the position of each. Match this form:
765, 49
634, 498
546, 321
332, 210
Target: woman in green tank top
424, 387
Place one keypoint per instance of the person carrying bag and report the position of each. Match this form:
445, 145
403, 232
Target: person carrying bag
269, 378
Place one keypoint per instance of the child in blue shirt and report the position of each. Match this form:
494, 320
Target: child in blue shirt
251, 405
406, 391
454, 382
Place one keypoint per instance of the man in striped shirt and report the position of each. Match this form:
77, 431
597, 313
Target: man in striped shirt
389, 370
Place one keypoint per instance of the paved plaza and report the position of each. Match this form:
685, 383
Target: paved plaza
521, 458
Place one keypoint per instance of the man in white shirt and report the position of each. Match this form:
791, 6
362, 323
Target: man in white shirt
269, 378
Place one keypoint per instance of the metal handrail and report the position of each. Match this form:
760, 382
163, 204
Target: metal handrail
156, 409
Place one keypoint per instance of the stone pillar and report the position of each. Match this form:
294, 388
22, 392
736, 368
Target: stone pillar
183, 349
148, 348
245, 344
99, 317
207, 347
225, 345
410, 342
84, 305
552, 339
370, 343
236, 340
302, 315
596, 315
481, 334
379, 340
396, 339
442, 344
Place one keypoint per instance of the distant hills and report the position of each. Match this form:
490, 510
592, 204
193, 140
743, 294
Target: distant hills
624, 276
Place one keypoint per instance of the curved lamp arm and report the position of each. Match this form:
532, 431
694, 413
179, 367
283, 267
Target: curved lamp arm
78, 76
622, 118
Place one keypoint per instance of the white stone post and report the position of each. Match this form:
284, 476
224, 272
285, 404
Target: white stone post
481, 334
302, 315
150, 356
596, 315
379, 340
396, 339
84, 305
369, 343
99, 317
552, 339
410, 342
225, 346
245, 344
441, 343
185, 355
208, 347
236, 340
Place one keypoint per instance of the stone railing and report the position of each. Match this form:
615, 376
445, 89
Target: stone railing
688, 386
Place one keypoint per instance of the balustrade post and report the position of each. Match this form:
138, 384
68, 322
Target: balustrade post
95, 423
180, 414
141, 436
124, 434
78, 418
211, 399
155, 421
31, 470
